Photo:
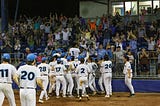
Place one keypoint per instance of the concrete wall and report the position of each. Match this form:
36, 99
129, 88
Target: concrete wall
91, 9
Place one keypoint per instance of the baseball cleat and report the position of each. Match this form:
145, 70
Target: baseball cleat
80, 98
106, 96
64, 96
57, 96
87, 97
40, 101
47, 98
131, 95
94, 93
70, 96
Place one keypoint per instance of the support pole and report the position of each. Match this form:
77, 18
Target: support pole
4, 15
16, 12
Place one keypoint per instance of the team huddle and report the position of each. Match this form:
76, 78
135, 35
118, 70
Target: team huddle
63, 73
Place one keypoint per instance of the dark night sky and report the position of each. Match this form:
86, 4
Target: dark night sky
44, 7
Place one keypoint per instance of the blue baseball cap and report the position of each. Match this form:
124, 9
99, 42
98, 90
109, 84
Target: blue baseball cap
6, 56
58, 60
44, 58
69, 58
31, 57
63, 54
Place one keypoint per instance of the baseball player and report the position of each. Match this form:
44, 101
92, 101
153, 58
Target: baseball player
28, 76
7, 71
59, 73
75, 63
128, 75
83, 70
74, 51
100, 81
52, 75
106, 66
44, 71
93, 67
69, 78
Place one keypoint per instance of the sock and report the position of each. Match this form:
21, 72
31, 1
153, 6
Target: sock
87, 90
80, 92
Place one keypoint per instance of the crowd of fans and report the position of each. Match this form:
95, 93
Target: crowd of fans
114, 35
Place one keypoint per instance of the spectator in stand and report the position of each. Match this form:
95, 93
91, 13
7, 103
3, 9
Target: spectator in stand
158, 42
31, 42
109, 51
92, 25
144, 62
106, 36
99, 38
132, 43
101, 52
158, 52
151, 43
7, 47
65, 37
27, 51
119, 60
17, 48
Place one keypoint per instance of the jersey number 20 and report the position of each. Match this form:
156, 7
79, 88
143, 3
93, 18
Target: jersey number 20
26, 75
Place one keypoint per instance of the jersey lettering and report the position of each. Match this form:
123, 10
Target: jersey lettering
75, 65
94, 67
4, 72
82, 70
26, 75
58, 69
72, 53
42, 69
108, 66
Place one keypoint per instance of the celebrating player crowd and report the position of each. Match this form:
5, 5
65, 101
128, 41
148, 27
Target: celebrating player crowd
70, 72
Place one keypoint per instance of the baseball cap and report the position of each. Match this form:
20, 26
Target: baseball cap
6, 56
58, 60
63, 54
31, 57
69, 58
44, 58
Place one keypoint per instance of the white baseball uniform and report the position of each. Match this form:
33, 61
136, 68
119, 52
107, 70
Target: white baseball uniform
83, 71
128, 81
74, 52
6, 73
93, 67
52, 77
75, 63
28, 75
107, 76
100, 81
69, 78
44, 71
59, 72
64, 61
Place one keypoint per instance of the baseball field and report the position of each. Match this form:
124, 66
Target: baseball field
117, 99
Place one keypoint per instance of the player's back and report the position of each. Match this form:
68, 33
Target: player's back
44, 69
6, 72
53, 63
74, 52
28, 75
94, 67
59, 69
106, 66
82, 70
76, 63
